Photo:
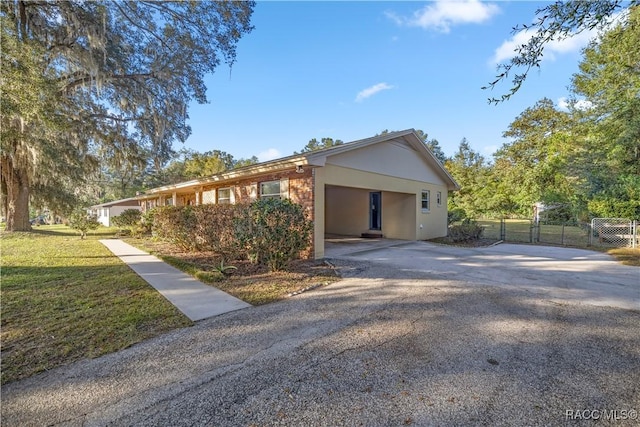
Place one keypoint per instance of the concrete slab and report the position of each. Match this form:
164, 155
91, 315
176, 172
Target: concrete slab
557, 273
335, 246
193, 298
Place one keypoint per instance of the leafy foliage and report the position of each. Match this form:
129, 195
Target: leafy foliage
267, 231
215, 228
314, 144
533, 166
557, 21
102, 79
79, 220
274, 232
129, 219
609, 80
466, 231
585, 159
176, 225
471, 172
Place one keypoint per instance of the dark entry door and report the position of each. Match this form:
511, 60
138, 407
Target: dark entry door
375, 211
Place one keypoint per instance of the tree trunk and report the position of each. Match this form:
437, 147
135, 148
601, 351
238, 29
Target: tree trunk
17, 202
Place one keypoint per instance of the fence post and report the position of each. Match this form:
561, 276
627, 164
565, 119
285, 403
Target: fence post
538, 231
562, 238
634, 235
503, 230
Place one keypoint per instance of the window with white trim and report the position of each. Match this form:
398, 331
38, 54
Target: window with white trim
208, 197
270, 190
425, 199
224, 196
439, 198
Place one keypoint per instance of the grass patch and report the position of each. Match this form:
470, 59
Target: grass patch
65, 299
627, 256
249, 282
520, 230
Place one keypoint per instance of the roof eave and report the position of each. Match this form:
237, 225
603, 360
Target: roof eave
234, 174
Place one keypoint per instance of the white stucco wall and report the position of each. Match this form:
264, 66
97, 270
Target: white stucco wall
106, 213
346, 211
402, 213
393, 158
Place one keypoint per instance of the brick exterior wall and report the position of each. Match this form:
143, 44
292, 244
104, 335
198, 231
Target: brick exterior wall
299, 190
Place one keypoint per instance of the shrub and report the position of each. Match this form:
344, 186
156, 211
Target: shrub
81, 221
466, 231
146, 220
215, 229
273, 232
129, 220
456, 215
267, 231
176, 225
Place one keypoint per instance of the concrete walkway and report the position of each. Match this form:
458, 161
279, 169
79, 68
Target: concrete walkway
193, 298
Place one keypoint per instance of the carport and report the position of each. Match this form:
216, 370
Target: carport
390, 185
351, 211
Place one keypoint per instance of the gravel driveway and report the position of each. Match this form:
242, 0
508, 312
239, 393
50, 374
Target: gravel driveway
421, 335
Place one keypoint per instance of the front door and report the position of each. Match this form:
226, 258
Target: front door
375, 211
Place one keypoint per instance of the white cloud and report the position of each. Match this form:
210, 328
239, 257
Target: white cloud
563, 104
270, 154
370, 91
506, 50
441, 15
581, 104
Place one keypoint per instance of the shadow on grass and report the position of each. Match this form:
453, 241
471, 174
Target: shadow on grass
72, 233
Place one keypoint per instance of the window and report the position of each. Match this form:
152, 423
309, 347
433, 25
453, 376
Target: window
425, 200
439, 198
270, 190
208, 197
224, 196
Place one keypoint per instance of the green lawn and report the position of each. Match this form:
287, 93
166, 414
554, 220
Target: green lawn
65, 299
519, 230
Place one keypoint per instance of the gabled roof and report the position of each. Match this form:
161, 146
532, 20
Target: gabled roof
318, 158
409, 136
131, 201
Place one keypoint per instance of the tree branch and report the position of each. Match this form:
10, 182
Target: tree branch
84, 78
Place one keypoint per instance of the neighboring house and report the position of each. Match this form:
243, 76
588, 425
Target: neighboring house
389, 185
105, 211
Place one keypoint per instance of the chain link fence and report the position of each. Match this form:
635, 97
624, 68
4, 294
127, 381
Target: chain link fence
606, 232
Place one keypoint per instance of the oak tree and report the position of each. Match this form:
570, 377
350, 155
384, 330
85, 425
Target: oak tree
81, 76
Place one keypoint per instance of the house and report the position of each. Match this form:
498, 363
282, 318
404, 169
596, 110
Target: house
389, 185
105, 211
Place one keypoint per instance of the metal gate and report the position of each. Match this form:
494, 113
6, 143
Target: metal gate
613, 232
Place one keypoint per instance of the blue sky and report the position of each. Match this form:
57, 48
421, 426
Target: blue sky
348, 70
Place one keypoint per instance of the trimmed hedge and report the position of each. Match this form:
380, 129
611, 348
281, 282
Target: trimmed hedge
466, 231
267, 231
274, 232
